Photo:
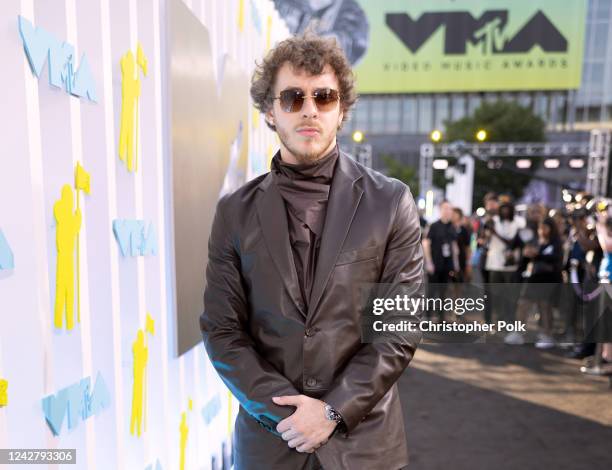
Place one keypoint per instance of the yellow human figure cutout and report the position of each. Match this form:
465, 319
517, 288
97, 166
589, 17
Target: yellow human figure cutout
184, 429
82, 182
141, 356
130, 92
268, 32
241, 15
68, 226
3, 392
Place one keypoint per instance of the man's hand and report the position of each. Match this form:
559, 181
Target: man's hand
307, 428
429, 267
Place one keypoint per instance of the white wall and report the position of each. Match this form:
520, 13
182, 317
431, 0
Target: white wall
44, 131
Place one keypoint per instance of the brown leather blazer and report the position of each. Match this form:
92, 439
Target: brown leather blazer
264, 342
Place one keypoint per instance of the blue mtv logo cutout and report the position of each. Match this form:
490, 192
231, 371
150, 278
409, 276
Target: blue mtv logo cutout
157, 466
42, 47
211, 409
134, 238
76, 402
7, 261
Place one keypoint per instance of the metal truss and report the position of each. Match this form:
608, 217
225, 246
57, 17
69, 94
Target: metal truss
597, 152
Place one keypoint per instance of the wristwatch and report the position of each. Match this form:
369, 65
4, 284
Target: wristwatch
332, 415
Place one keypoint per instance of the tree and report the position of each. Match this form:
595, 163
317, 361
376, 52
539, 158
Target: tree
504, 122
409, 175
404, 173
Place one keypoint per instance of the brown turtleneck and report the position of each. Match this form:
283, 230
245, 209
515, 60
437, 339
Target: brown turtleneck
305, 189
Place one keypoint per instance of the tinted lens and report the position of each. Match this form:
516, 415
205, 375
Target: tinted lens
325, 98
291, 100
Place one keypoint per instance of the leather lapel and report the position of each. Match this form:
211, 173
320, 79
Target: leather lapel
344, 197
273, 219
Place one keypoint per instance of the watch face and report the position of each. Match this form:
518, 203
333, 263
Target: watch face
332, 414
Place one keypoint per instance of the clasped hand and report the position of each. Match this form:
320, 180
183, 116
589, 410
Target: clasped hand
307, 428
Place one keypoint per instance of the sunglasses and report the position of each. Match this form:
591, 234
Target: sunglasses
292, 99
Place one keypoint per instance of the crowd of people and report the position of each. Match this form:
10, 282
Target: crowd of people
548, 267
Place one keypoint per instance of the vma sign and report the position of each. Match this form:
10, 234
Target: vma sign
469, 45
489, 31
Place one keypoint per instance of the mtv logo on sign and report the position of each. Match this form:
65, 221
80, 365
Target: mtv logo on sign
489, 30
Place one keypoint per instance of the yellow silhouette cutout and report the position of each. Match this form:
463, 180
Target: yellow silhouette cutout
141, 356
241, 15
139, 390
130, 92
3, 392
268, 32
68, 226
184, 429
82, 182
150, 324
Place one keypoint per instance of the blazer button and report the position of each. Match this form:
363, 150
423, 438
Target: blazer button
311, 382
309, 332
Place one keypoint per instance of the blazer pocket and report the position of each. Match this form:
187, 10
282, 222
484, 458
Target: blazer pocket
358, 255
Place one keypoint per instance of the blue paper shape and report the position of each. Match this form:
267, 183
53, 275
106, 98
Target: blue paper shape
157, 465
130, 234
36, 43
55, 408
211, 409
78, 395
101, 396
150, 242
137, 237
76, 402
84, 84
7, 261
41, 46
121, 229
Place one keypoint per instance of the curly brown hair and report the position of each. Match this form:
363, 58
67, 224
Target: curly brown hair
308, 52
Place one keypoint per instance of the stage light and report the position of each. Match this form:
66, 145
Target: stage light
358, 136
576, 163
436, 135
481, 135
440, 164
551, 163
523, 163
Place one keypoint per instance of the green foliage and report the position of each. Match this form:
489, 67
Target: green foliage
404, 173
504, 122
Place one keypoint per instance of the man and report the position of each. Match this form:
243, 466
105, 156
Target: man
463, 233
491, 206
503, 256
281, 321
441, 253
584, 258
